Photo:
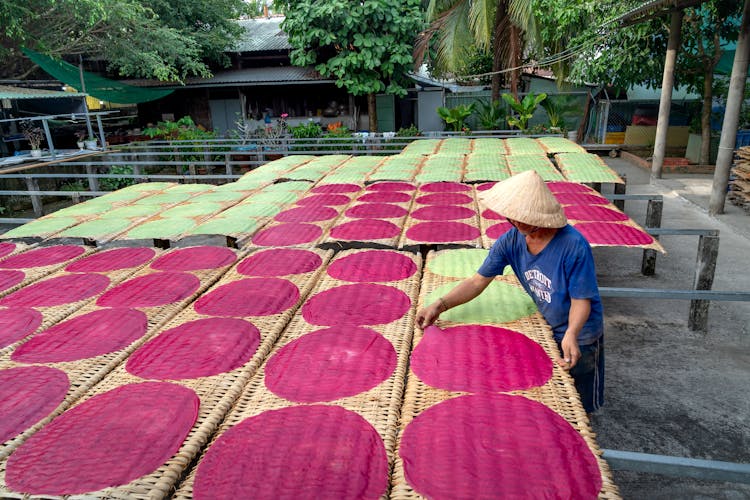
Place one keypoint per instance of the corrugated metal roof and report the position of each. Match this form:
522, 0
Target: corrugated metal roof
262, 35
249, 76
8, 92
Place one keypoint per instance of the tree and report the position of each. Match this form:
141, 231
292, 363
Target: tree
498, 27
137, 38
365, 46
634, 55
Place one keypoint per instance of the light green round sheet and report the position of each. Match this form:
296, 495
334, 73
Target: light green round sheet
276, 198
460, 263
499, 303
92, 207
161, 229
192, 210
164, 199
97, 228
40, 227
287, 186
252, 210
226, 225
130, 212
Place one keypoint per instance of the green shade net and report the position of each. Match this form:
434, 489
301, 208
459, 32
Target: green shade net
499, 303
96, 86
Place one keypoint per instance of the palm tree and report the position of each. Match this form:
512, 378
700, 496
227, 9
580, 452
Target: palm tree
500, 26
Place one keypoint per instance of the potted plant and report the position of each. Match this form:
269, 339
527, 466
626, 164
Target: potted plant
90, 142
80, 136
34, 135
455, 117
525, 109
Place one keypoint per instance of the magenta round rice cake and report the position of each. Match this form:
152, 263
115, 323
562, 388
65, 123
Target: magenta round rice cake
10, 278
85, 336
375, 211
443, 212
567, 187
112, 260
288, 234
497, 230
16, 323
442, 232
385, 197
194, 259
444, 187
158, 413
324, 199
479, 358
359, 304
57, 291
485, 186
7, 248
199, 348
329, 364
391, 186
372, 265
279, 262
41, 257
595, 213
612, 233
249, 297
336, 188
337, 454
365, 230
311, 213
581, 199
505, 447
28, 394
444, 199
155, 289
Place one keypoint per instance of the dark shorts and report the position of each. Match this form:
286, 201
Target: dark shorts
588, 375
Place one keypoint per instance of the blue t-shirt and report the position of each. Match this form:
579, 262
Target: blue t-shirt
564, 269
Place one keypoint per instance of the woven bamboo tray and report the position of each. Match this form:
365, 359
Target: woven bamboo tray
379, 406
408, 243
338, 243
32, 274
84, 374
217, 393
558, 394
52, 315
553, 145
397, 168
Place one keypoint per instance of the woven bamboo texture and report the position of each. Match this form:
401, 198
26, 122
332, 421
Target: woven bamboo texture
392, 242
488, 146
442, 167
315, 169
558, 394
324, 226
520, 146
586, 167
484, 167
397, 168
53, 315
553, 145
484, 224
217, 393
408, 242
32, 274
739, 185
379, 406
8, 248
86, 373
538, 162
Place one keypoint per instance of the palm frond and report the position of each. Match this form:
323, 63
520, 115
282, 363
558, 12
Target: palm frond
481, 20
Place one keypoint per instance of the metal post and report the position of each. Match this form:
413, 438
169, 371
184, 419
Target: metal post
621, 189
48, 136
102, 138
705, 267
36, 200
228, 164
653, 219
665, 102
93, 181
731, 116
192, 172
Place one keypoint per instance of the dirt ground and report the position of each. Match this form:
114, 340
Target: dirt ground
669, 390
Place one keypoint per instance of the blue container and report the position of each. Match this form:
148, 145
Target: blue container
743, 139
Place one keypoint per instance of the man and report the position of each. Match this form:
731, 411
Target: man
555, 266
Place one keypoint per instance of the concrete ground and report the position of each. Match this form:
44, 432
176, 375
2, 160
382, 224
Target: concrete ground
669, 390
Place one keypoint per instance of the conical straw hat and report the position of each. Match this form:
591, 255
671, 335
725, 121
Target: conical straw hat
525, 198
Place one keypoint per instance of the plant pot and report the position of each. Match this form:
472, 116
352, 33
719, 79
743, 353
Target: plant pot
573, 135
80, 145
36, 153
90, 144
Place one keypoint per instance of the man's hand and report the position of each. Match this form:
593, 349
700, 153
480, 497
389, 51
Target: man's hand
428, 315
571, 352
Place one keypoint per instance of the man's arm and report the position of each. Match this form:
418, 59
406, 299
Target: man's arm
577, 317
464, 292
